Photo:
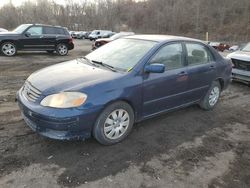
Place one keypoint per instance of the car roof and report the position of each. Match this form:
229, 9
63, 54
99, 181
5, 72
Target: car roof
162, 38
47, 25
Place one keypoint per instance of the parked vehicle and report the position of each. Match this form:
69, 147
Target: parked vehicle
241, 64
100, 42
73, 34
98, 34
3, 30
80, 34
234, 48
36, 37
108, 35
87, 35
126, 81
219, 46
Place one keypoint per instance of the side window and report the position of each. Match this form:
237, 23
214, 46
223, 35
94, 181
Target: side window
197, 54
170, 55
37, 30
49, 30
60, 31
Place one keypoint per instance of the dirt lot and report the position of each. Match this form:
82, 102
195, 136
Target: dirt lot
186, 148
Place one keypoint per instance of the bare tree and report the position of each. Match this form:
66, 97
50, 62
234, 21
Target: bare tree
227, 20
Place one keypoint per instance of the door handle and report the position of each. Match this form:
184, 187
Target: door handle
212, 67
182, 73
182, 76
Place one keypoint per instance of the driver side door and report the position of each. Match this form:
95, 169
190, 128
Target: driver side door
165, 91
33, 38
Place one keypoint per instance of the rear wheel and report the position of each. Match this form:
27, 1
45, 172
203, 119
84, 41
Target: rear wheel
114, 123
62, 49
8, 49
212, 96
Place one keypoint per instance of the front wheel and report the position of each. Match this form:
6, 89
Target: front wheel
62, 49
114, 123
8, 49
212, 96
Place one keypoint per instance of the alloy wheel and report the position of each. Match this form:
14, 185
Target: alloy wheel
8, 49
62, 49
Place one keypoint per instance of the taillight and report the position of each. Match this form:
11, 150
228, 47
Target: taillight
70, 40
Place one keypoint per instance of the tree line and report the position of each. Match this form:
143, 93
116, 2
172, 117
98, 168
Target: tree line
225, 20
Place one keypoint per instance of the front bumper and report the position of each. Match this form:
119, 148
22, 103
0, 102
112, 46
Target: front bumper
242, 75
61, 124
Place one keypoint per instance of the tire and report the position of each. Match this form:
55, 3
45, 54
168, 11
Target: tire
50, 51
62, 49
109, 129
8, 49
211, 98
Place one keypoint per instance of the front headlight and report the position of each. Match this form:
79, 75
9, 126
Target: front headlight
64, 100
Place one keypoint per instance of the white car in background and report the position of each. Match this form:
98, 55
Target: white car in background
3, 30
234, 48
241, 64
96, 34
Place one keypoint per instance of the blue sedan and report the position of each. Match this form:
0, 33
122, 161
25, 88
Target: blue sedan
126, 81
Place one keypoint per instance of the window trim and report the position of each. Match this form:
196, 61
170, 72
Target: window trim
211, 55
164, 45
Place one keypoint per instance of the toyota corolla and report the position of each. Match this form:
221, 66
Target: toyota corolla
126, 81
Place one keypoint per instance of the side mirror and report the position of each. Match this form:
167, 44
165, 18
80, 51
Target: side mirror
27, 34
155, 68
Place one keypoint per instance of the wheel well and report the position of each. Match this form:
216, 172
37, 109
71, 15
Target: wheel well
126, 101
8, 41
221, 81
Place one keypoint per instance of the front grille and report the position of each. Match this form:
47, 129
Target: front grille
30, 92
242, 65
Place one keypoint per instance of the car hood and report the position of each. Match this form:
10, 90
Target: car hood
106, 40
240, 55
70, 76
8, 34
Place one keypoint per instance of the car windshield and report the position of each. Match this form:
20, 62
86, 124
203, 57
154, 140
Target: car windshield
246, 48
20, 29
94, 32
122, 54
116, 36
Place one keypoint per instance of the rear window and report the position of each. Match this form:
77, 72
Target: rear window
54, 30
198, 54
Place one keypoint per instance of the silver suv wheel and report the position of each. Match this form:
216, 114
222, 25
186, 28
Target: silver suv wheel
62, 49
8, 49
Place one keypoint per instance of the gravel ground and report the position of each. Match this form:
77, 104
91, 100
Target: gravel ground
187, 148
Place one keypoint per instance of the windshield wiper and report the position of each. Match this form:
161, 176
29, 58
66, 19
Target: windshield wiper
105, 65
86, 59
93, 62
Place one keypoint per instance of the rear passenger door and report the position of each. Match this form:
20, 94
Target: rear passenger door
49, 37
201, 70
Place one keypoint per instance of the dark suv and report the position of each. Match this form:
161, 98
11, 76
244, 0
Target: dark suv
36, 37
